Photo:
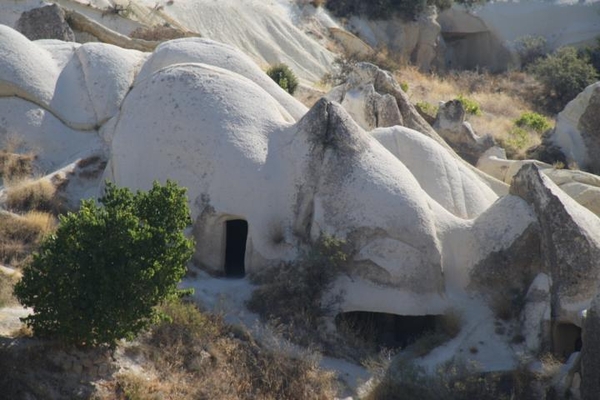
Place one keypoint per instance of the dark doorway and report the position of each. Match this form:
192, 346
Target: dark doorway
236, 232
567, 339
387, 330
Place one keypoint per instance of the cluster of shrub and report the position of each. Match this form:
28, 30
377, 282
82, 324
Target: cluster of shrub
564, 72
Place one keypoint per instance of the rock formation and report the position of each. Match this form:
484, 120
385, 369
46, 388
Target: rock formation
451, 125
570, 243
46, 22
577, 131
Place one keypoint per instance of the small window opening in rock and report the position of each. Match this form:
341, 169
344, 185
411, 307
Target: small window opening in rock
567, 339
386, 330
236, 231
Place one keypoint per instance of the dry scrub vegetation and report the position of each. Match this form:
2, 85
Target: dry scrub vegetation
503, 99
194, 355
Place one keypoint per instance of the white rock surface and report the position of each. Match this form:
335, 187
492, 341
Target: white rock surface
209, 52
442, 176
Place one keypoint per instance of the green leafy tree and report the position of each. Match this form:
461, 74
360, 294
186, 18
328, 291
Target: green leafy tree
564, 74
284, 76
100, 276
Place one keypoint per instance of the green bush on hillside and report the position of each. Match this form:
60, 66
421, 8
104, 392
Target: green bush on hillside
530, 49
284, 76
564, 74
534, 121
100, 276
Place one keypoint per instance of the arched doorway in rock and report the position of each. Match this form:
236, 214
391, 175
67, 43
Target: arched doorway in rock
387, 330
566, 339
236, 235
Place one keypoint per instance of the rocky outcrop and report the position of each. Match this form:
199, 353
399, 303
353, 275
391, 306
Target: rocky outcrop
590, 352
470, 43
416, 41
375, 99
451, 125
570, 243
45, 23
577, 131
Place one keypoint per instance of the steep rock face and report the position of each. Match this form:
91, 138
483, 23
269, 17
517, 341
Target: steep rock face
417, 41
451, 125
577, 131
470, 43
570, 243
45, 23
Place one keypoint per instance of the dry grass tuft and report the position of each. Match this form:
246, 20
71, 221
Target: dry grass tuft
40, 195
159, 33
20, 235
7, 282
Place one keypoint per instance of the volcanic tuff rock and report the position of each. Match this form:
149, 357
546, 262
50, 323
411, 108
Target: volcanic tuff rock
570, 243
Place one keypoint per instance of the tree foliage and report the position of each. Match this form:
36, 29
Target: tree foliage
100, 276
564, 74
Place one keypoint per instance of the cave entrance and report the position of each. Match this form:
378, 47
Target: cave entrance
236, 233
567, 339
386, 330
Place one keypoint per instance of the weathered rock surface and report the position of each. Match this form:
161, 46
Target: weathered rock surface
46, 22
570, 243
451, 125
577, 131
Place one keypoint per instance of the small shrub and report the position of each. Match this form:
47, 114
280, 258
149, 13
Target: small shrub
530, 49
427, 108
533, 120
564, 74
404, 86
284, 76
470, 106
100, 276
